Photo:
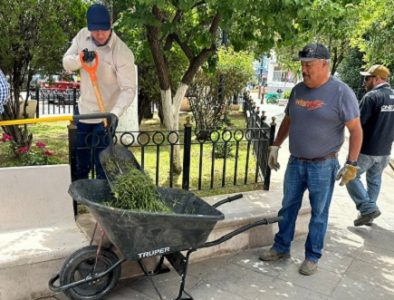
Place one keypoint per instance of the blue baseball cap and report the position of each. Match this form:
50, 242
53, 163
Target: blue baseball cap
98, 18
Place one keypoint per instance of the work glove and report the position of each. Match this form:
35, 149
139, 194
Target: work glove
273, 158
347, 173
88, 56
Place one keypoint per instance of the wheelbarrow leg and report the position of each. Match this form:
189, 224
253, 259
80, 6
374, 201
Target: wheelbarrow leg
180, 264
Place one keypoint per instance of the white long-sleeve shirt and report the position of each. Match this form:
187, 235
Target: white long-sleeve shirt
116, 76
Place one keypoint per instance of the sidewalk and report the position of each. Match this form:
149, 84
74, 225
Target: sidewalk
358, 262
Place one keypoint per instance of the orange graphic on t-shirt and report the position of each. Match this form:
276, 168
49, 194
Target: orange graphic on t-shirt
309, 104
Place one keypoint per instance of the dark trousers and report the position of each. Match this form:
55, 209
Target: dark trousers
91, 140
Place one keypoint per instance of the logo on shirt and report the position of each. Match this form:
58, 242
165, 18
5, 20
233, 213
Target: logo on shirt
387, 107
309, 104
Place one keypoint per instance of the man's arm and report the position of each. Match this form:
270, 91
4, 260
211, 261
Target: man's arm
71, 60
283, 131
356, 138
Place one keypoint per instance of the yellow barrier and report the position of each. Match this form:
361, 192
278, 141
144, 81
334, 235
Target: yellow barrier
36, 120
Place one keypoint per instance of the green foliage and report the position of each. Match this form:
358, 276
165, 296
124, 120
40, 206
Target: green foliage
35, 35
192, 28
286, 94
349, 71
236, 69
207, 102
134, 190
37, 154
330, 22
374, 32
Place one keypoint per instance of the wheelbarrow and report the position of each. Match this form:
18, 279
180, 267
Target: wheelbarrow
92, 272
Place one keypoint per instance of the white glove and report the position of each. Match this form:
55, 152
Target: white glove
273, 158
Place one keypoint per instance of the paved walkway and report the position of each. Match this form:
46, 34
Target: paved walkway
358, 262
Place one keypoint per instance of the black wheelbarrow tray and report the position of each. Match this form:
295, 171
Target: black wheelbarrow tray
91, 272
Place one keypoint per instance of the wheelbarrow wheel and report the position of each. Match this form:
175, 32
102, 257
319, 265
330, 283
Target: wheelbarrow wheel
83, 263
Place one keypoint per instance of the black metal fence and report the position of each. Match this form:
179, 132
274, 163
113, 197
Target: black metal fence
54, 101
257, 119
208, 160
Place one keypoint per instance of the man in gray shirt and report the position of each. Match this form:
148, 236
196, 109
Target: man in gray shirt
318, 110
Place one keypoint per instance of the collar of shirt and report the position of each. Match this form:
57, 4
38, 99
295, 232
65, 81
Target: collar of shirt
383, 84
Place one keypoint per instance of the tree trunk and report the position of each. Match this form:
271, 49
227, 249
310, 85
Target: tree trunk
171, 106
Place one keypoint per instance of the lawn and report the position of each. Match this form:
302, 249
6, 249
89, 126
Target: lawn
55, 136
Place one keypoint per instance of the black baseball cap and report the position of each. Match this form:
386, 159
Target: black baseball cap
312, 52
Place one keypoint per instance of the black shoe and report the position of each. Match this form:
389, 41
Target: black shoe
367, 218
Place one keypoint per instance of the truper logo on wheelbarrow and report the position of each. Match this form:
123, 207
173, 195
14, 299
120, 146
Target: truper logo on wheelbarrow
154, 252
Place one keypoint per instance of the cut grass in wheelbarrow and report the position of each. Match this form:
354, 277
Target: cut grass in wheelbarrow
131, 187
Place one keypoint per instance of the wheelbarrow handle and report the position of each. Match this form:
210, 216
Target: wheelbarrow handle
264, 221
228, 199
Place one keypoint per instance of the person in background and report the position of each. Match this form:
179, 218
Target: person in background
377, 121
4, 91
116, 79
317, 113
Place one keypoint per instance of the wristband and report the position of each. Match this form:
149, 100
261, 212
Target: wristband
352, 162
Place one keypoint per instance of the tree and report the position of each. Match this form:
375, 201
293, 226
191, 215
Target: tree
374, 34
35, 34
193, 26
349, 71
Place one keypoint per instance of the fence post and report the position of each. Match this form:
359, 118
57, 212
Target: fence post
186, 154
267, 177
38, 101
72, 147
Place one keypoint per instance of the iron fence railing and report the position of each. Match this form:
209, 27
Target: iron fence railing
209, 160
55, 101
257, 119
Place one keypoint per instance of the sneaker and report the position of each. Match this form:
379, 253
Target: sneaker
272, 255
308, 267
367, 218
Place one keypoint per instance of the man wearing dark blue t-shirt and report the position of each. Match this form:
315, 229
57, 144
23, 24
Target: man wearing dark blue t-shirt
377, 120
318, 110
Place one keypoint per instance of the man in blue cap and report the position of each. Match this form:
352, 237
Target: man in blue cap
116, 78
318, 110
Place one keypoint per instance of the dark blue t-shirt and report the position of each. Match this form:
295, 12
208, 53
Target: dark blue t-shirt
318, 117
377, 120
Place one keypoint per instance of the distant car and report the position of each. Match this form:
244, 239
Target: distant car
60, 92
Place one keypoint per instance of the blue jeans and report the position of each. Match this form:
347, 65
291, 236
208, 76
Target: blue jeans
319, 178
365, 198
